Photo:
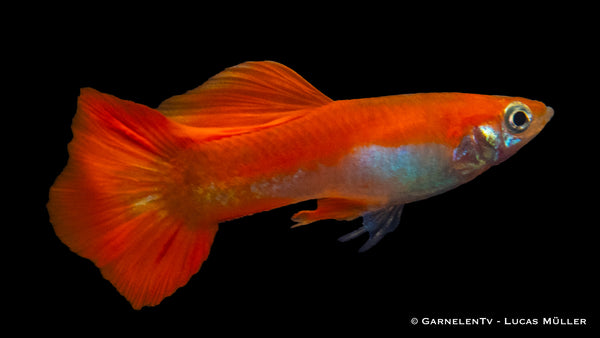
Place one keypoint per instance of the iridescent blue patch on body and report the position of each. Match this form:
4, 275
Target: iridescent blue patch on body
407, 173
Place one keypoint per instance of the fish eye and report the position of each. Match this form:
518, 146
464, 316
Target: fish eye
517, 117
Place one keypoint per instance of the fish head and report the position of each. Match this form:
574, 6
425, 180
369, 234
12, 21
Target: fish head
521, 123
510, 123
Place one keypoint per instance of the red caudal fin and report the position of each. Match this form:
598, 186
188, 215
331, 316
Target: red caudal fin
115, 204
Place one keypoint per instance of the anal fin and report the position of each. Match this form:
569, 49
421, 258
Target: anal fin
340, 209
378, 224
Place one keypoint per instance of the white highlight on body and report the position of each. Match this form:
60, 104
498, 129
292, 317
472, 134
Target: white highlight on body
145, 200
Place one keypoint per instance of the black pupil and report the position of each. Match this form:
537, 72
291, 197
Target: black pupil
520, 118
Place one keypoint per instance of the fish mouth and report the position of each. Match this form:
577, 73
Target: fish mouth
549, 113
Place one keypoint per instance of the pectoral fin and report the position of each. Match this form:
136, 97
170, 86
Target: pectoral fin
377, 223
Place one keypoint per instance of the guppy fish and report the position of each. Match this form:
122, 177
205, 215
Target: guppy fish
145, 189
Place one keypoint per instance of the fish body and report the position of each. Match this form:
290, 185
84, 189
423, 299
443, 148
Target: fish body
145, 189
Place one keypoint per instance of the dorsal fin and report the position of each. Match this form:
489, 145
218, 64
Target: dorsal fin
249, 94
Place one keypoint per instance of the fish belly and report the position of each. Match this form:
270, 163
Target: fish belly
388, 175
399, 174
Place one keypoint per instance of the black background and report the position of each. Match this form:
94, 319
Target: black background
516, 242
